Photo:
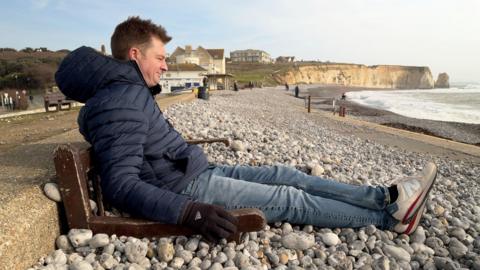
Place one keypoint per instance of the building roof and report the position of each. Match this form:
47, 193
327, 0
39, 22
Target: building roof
180, 49
185, 67
216, 53
249, 50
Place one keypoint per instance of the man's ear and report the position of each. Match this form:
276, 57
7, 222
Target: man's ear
133, 53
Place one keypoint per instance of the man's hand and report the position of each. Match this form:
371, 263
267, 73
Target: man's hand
212, 221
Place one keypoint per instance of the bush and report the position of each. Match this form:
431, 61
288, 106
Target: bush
33, 68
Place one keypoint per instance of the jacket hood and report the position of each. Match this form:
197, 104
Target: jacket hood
85, 71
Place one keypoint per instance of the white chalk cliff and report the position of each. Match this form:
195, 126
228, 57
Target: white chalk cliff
381, 76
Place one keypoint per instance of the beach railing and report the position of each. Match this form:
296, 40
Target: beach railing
308, 104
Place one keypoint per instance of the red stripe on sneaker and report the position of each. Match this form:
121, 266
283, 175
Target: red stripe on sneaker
405, 218
411, 224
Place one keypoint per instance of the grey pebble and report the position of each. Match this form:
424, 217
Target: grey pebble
109, 249
165, 251
195, 262
107, 261
216, 266
286, 228
457, 249
445, 263
220, 258
52, 192
459, 233
330, 239
300, 240
74, 257
230, 252
241, 260
99, 240
135, 250
90, 258
205, 264
59, 257
202, 253
418, 236
186, 255
81, 265
79, 237
177, 262
62, 242
192, 244
370, 229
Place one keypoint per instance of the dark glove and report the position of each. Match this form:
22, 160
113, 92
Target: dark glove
212, 221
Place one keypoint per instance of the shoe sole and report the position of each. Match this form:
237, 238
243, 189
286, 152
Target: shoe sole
412, 226
410, 215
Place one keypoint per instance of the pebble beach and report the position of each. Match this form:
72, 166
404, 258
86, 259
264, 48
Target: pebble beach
267, 127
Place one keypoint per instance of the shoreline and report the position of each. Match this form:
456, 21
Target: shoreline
454, 131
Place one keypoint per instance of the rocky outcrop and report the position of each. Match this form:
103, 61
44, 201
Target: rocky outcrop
442, 81
381, 76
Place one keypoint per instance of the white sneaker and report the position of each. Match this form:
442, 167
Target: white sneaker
412, 226
412, 194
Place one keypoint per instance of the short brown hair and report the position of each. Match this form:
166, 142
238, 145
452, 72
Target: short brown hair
135, 32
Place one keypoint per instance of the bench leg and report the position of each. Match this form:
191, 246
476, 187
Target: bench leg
235, 238
48, 105
64, 109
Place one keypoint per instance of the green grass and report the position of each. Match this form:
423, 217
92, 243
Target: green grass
256, 72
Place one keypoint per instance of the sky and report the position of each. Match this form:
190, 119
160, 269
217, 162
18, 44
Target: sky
441, 34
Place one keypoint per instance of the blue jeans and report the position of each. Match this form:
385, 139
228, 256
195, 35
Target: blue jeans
287, 194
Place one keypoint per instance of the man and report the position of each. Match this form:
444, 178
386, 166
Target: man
147, 168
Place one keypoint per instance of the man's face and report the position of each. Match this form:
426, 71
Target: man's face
151, 61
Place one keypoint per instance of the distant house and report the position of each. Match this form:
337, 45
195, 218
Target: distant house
285, 59
182, 76
254, 56
212, 60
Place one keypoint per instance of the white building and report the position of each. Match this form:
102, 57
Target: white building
213, 60
253, 56
182, 76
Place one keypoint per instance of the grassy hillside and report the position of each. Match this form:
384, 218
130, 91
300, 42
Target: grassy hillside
29, 70
262, 73
256, 72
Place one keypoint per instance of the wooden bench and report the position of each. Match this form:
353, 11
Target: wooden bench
78, 183
57, 100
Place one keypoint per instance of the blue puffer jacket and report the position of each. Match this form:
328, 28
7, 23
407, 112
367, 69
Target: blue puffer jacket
144, 163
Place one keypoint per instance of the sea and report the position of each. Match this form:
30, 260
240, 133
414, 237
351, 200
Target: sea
460, 103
